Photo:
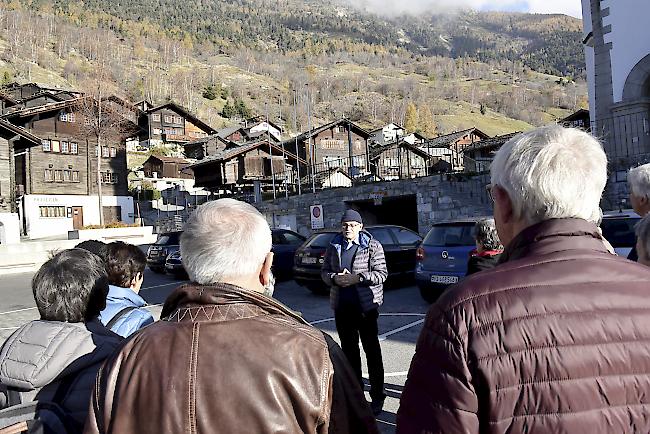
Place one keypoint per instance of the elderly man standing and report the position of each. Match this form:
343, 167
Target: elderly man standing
355, 269
227, 358
638, 180
556, 338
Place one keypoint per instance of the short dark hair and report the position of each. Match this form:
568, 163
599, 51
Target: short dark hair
71, 286
93, 246
123, 263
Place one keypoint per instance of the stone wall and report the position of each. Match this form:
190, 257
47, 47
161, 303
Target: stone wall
438, 197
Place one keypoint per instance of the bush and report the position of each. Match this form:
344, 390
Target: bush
112, 225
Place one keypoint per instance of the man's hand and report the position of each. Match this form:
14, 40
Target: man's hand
344, 280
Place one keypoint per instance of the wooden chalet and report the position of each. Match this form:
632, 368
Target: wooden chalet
65, 160
479, 156
169, 123
243, 165
332, 144
14, 97
580, 119
206, 146
386, 134
456, 142
166, 167
399, 161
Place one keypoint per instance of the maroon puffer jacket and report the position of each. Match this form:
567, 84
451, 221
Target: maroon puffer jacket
556, 339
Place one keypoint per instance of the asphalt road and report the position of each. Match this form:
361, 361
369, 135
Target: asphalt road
399, 324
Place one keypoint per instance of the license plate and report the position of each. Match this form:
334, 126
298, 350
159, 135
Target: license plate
444, 279
154, 253
309, 260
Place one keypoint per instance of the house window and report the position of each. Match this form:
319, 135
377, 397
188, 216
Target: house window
105, 151
155, 117
113, 152
178, 120
52, 211
66, 117
56, 146
96, 151
157, 131
65, 147
74, 148
47, 146
58, 176
49, 175
169, 119
109, 178
75, 176
67, 176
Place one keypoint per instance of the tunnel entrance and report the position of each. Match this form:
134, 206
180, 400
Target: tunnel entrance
397, 210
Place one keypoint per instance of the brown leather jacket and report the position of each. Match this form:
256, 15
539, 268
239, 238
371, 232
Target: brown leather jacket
227, 360
555, 339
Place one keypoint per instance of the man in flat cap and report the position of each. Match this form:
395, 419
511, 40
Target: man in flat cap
355, 269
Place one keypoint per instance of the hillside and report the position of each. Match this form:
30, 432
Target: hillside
473, 69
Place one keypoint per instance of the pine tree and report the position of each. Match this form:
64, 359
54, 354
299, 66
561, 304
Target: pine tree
228, 110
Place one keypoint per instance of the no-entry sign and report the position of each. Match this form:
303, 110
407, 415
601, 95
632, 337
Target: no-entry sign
316, 212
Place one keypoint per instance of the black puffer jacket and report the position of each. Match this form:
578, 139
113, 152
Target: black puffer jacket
556, 339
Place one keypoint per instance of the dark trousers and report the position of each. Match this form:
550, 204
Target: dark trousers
351, 324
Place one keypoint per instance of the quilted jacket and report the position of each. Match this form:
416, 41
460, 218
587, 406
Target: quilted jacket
369, 261
555, 339
117, 299
39, 355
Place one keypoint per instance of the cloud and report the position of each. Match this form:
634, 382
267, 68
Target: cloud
417, 7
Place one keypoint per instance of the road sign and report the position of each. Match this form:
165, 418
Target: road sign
316, 212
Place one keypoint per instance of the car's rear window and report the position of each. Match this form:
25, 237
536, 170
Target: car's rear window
450, 235
620, 231
321, 240
169, 239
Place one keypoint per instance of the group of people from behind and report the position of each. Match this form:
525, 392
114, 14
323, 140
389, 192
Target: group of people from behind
555, 338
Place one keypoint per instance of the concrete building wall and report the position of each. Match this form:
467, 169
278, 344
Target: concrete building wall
40, 227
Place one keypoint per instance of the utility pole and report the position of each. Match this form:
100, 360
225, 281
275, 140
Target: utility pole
284, 156
295, 130
311, 150
268, 138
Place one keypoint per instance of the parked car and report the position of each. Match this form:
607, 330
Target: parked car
174, 266
399, 245
618, 229
285, 244
442, 257
166, 244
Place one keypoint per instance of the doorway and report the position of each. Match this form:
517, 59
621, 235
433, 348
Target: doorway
77, 217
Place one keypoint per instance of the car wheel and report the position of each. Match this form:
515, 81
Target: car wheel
158, 270
429, 295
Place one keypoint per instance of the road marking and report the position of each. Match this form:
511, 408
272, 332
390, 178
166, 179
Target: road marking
401, 329
10, 328
17, 310
320, 321
148, 287
386, 422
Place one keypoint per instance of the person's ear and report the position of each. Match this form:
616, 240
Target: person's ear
139, 277
503, 201
265, 272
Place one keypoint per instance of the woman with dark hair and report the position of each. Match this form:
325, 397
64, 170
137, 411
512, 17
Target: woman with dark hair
55, 359
488, 247
125, 313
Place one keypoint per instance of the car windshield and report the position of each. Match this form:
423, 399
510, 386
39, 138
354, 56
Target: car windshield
321, 240
620, 231
168, 239
450, 235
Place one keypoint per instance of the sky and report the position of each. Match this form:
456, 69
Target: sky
568, 7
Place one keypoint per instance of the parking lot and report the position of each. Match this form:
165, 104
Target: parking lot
400, 322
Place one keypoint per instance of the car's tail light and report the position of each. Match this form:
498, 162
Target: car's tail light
419, 254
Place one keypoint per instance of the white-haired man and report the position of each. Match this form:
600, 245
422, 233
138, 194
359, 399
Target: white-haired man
556, 338
638, 180
227, 358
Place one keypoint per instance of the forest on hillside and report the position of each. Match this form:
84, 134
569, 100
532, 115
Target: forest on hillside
260, 54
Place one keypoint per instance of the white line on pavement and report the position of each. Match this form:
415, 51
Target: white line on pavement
400, 329
386, 422
18, 310
390, 374
381, 314
147, 287
10, 328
